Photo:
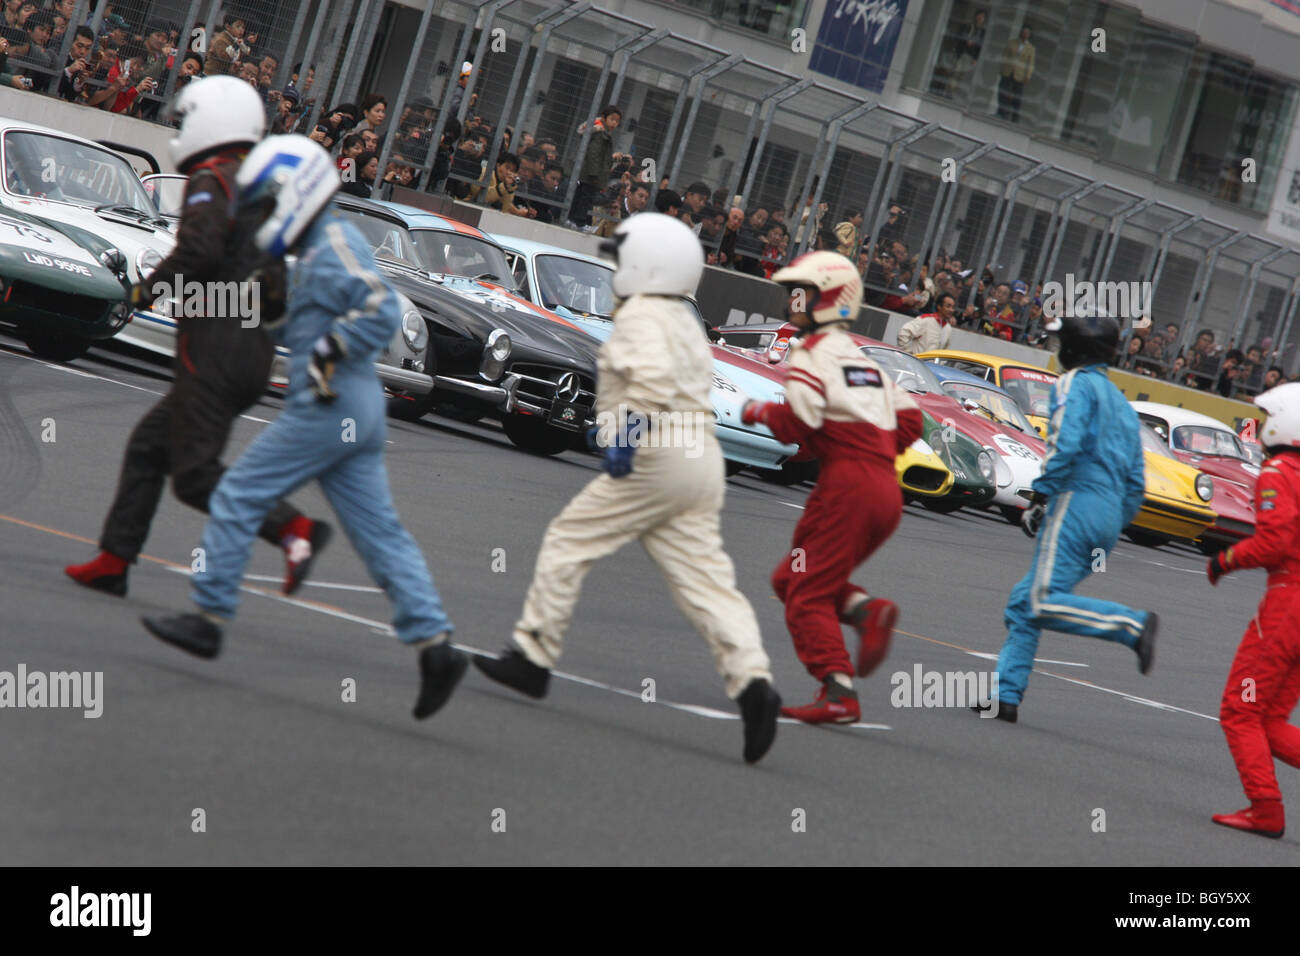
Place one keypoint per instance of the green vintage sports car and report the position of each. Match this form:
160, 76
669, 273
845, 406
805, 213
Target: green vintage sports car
61, 287
973, 468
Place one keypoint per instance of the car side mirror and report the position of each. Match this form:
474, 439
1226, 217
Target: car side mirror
970, 405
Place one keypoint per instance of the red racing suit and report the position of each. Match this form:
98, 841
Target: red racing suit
852, 416
1264, 682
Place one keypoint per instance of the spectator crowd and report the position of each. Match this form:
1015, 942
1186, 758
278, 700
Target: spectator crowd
128, 68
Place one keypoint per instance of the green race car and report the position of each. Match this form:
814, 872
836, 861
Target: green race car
973, 468
61, 287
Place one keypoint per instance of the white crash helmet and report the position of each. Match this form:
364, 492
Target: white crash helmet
216, 112
656, 255
1282, 403
298, 177
837, 283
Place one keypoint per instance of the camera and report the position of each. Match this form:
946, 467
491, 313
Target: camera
26, 82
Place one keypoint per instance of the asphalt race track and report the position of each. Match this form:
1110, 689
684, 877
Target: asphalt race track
287, 772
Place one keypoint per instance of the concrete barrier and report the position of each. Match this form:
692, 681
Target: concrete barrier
89, 123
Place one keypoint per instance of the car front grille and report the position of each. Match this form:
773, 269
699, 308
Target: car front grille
83, 308
537, 385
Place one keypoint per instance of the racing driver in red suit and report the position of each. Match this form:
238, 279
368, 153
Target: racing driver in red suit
1264, 682
851, 415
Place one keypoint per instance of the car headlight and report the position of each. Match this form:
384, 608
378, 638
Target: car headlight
986, 466
414, 330
1205, 487
495, 354
146, 261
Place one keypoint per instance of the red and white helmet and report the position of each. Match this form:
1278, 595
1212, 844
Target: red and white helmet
835, 282
1282, 403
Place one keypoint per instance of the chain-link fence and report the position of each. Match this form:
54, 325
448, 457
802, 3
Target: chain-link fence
565, 113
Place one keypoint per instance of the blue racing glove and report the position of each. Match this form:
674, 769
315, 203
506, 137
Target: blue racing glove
618, 456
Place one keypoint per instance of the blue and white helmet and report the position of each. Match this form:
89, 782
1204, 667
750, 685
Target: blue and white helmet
299, 176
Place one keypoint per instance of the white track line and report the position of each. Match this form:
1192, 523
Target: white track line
383, 628
1037, 660
271, 579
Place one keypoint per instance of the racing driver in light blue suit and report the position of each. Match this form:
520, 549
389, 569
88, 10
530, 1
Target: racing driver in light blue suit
1091, 487
340, 316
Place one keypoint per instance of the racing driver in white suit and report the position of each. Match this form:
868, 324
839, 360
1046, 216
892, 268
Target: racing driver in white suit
663, 483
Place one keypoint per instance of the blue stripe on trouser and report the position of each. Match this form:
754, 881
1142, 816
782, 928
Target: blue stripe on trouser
1077, 524
307, 441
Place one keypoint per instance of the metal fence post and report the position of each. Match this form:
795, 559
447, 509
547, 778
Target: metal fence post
1205, 277
480, 51
1282, 328
934, 230
887, 174
1248, 299
1007, 206
580, 158
837, 127
772, 101
561, 17
1068, 207
620, 72
688, 85
326, 82
716, 70
400, 103
1117, 221
295, 33
345, 70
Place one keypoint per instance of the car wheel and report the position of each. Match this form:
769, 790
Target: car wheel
408, 406
55, 347
534, 436
1147, 539
1011, 513
734, 468
944, 506
1210, 548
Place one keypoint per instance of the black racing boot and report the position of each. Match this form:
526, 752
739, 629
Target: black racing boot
1146, 645
1007, 712
759, 706
441, 668
192, 633
516, 671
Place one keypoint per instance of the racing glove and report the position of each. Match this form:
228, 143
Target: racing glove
1219, 565
327, 351
754, 411
1032, 519
618, 456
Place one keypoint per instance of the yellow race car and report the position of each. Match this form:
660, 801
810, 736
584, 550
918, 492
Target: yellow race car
1031, 387
923, 473
1177, 495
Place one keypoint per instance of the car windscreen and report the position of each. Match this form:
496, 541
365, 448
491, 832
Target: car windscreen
1031, 389
907, 371
388, 240
451, 253
999, 407
1154, 443
1205, 440
581, 287
64, 170
167, 193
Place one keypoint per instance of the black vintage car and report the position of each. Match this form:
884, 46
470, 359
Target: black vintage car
491, 352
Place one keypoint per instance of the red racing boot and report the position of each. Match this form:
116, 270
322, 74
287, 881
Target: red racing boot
834, 704
107, 572
874, 621
302, 540
1265, 817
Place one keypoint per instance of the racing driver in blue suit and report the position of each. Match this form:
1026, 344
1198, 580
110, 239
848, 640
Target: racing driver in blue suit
340, 315
1090, 488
